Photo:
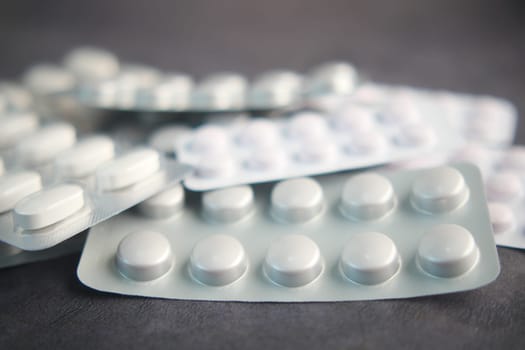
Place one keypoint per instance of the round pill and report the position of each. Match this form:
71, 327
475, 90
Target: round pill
514, 159
369, 258
83, 159
48, 79
46, 144
15, 127
209, 139
332, 78
307, 126
91, 63
275, 89
218, 260
144, 256
293, 261
505, 186
367, 196
14, 187
502, 218
218, 165
164, 204
228, 204
297, 200
447, 251
367, 142
353, 119
128, 169
439, 190
220, 91
172, 92
48, 206
259, 133
416, 135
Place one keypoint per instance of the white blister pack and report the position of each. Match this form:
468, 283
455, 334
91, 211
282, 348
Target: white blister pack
56, 188
310, 143
356, 236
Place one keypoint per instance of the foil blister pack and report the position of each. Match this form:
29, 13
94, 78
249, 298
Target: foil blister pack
353, 236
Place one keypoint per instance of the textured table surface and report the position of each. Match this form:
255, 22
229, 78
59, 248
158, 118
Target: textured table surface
469, 46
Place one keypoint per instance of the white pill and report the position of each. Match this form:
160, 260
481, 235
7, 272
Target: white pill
316, 151
514, 159
220, 91
128, 169
275, 89
293, 261
439, 190
401, 110
164, 204
164, 139
14, 187
16, 126
220, 165
228, 204
209, 139
307, 126
48, 79
333, 78
265, 159
46, 144
353, 119
416, 135
218, 260
91, 63
144, 256
48, 207
447, 251
367, 196
502, 218
172, 92
84, 158
505, 187
367, 142
370, 258
297, 200
258, 133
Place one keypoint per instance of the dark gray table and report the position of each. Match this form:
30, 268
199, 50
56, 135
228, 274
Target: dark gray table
471, 46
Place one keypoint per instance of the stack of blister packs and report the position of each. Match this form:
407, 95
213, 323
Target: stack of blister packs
291, 187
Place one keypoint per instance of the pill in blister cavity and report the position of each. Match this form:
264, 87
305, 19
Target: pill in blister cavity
265, 159
368, 196
439, 190
514, 159
416, 135
297, 200
163, 139
369, 258
172, 92
17, 126
128, 169
505, 186
209, 139
293, 261
48, 207
352, 119
218, 260
144, 256
83, 159
90, 63
275, 89
219, 165
331, 78
307, 126
14, 187
258, 133
316, 151
46, 144
400, 110
48, 79
502, 218
368, 142
228, 204
447, 251
164, 204
220, 91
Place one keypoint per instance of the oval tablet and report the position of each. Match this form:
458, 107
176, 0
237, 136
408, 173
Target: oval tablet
84, 158
14, 187
128, 169
218, 260
46, 144
447, 251
502, 218
367, 196
48, 207
144, 256
297, 200
164, 204
293, 261
370, 258
16, 127
439, 190
228, 204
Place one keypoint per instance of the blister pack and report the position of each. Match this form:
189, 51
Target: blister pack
356, 236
